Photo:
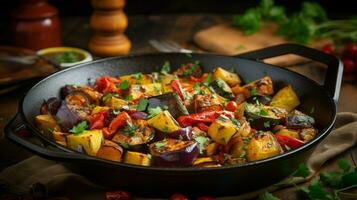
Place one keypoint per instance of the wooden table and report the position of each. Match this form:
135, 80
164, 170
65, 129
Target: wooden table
179, 28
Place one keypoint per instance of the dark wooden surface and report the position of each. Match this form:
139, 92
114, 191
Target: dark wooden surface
179, 28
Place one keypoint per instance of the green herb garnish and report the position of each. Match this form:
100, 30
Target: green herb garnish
130, 129
109, 96
166, 68
207, 80
129, 98
159, 145
137, 76
123, 85
236, 122
154, 111
194, 66
254, 92
201, 143
143, 103
66, 57
79, 128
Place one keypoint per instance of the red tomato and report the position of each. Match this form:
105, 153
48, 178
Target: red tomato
118, 122
205, 198
178, 196
106, 84
348, 66
328, 48
350, 51
231, 106
289, 141
176, 87
117, 195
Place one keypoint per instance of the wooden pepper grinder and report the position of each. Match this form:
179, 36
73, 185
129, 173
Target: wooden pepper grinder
108, 23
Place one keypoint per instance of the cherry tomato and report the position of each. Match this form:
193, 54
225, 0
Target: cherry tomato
348, 66
205, 198
178, 196
231, 106
117, 195
328, 48
350, 51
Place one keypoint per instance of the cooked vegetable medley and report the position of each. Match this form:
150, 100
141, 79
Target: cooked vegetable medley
180, 119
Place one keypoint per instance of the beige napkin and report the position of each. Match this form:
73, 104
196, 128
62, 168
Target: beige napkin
61, 181
225, 39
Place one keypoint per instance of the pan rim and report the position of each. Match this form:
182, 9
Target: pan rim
324, 131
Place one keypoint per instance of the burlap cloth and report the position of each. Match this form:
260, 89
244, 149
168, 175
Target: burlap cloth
60, 181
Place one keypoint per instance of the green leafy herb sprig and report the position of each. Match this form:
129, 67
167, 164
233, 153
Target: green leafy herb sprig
311, 22
329, 185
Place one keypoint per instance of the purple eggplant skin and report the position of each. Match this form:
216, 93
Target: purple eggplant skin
298, 121
66, 90
173, 102
67, 117
139, 115
182, 134
174, 153
53, 104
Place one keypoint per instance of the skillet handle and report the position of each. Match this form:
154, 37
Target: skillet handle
17, 124
333, 78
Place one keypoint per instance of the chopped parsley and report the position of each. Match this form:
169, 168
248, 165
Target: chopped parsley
263, 112
207, 80
254, 92
79, 128
246, 139
266, 124
129, 98
189, 71
159, 145
130, 128
138, 76
109, 96
123, 85
201, 143
143, 103
154, 111
197, 87
125, 145
166, 68
236, 122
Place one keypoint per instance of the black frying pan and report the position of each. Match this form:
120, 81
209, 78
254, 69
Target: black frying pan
226, 180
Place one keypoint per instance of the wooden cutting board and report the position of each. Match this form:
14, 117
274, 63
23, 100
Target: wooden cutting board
225, 39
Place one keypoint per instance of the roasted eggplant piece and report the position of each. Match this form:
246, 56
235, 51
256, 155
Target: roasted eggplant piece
89, 141
263, 145
299, 121
262, 117
110, 151
230, 78
286, 98
133, 134
172, 101
259, 99
50, 106
220, 87
164, 122
207, 102
206, 162
137, 158
182, 134
173, 153
67, 117
92, 95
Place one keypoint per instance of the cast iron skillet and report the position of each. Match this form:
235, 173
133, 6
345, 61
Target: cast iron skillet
226, 180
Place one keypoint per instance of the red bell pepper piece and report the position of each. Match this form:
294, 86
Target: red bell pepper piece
176, 86
118, 122
189, 120
202, 126
96, 121
106, 84
199, 80
291, 142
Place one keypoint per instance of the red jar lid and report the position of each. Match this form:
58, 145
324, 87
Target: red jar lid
34, 9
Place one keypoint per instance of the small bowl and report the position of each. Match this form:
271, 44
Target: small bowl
85, 56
